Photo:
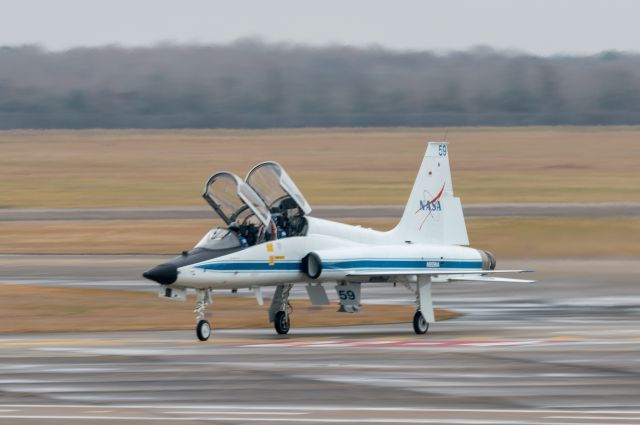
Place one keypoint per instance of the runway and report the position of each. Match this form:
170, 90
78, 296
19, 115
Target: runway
563, 351
552, 370
603, 209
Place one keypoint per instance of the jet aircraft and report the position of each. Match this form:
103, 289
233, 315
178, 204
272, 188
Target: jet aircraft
270, 239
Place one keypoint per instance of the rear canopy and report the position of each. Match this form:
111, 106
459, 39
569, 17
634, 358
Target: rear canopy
274, 186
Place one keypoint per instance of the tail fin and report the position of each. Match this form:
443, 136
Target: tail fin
433, 214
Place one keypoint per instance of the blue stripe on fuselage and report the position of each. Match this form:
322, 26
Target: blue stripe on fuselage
251, 266
399, 264
376, 264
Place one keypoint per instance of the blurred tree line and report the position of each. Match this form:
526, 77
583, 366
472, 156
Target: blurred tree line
250, 84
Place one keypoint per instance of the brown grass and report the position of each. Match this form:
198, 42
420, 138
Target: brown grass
550, 237
66, 309
96, 168
509, 237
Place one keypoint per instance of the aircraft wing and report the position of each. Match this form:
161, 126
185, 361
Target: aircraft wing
448, 275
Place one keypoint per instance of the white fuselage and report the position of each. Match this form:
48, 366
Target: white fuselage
343, 250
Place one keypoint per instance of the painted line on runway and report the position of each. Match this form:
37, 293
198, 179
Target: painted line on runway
392, 344
122, 347
596, 418
83, 345
229, 412
323, 408
463, 421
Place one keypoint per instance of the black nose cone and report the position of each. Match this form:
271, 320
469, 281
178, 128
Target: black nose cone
164, 274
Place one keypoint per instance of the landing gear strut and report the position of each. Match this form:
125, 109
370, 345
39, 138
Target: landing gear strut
424, 314
203, 328
280, 309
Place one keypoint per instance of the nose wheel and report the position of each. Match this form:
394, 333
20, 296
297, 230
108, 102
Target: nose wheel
203, 330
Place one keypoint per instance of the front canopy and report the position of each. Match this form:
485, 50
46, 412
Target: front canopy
233, 199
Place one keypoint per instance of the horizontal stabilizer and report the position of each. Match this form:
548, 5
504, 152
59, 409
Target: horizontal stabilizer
434, 272
488, 279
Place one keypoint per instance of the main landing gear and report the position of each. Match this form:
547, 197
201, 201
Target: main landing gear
420, 324
281, 323
280, 309
203, 328
424, 314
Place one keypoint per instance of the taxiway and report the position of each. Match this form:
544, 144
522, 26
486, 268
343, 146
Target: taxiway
564, 351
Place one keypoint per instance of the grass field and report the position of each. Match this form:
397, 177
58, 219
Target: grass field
343, 166
75, 310
100, 168
509, 237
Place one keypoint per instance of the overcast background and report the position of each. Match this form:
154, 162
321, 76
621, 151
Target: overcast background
177, 64
535, 26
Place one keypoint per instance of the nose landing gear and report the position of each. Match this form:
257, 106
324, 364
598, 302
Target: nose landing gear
203, 328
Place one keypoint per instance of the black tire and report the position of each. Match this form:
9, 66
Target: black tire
420, 324
203, 330
282, 323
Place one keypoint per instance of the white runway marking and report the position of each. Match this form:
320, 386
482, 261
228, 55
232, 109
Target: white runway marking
463, 421
319, 408
392, 344
231, 412
596, 418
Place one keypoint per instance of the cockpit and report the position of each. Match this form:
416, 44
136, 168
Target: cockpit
267, 205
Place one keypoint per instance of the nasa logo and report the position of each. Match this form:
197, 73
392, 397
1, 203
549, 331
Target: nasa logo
430, 206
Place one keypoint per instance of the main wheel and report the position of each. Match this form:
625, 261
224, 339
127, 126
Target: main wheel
420, 324
203, 330
281, 323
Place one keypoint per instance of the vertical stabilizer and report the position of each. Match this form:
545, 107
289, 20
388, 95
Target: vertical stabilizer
433, 214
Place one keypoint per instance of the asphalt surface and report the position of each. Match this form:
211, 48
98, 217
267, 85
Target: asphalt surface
562, 351
605, 209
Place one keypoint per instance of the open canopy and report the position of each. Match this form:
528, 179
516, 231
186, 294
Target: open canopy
275, 187
234, 200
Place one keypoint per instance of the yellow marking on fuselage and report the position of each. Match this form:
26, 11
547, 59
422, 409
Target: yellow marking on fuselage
269, 247
273, 258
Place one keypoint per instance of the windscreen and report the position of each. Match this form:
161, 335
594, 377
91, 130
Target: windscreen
219, 238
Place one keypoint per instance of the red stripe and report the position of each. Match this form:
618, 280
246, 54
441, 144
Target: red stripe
439, 194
